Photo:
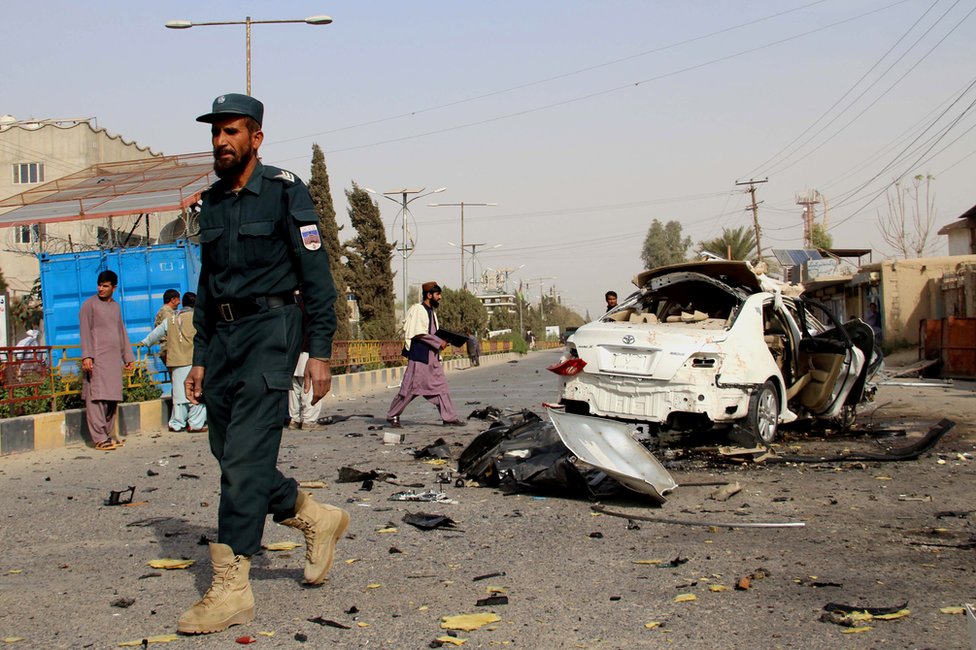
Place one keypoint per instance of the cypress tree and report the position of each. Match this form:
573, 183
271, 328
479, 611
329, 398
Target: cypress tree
370, 272
318, 186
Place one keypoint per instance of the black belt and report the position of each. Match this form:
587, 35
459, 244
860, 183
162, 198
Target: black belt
236, 309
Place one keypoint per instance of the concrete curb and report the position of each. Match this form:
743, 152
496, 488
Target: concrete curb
55, 430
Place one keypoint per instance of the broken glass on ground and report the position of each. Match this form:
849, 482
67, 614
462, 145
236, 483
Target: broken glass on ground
424, 497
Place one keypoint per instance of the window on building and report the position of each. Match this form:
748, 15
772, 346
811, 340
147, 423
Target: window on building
27, 234
25, 173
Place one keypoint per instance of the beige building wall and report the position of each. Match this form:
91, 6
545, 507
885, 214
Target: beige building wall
910, 292
63, 147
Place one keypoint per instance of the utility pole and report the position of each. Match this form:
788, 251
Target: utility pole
755, 211
461, 205
808, 199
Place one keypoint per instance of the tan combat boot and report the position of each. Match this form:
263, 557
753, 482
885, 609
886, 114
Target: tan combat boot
229, 601
322, 526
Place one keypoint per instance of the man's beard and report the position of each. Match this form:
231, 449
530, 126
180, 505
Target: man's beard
434, 303
233, 167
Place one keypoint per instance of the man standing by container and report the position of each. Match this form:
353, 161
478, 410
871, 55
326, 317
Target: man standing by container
261, 251
105, 349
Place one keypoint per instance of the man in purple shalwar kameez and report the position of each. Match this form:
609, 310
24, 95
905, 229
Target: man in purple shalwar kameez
105, 348
425, 374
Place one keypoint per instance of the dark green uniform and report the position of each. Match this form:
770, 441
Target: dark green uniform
259, 246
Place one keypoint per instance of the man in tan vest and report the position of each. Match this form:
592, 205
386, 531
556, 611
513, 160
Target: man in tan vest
177, 328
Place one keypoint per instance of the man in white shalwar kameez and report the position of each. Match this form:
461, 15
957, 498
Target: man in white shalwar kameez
425, 374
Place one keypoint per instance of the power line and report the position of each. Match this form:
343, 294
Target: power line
557, 77
848, 92
607, 91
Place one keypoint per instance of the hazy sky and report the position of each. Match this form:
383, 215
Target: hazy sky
583, 121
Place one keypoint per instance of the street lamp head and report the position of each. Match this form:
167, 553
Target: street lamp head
439, 190
370, 191
318, 20
179, 24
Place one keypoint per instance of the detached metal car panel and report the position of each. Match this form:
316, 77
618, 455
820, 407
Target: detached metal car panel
709, 344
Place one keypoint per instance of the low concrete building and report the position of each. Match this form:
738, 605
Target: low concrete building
36, 152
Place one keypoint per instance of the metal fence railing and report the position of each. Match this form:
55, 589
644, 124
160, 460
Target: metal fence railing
48, 378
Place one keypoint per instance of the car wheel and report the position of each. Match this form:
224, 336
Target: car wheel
763, 417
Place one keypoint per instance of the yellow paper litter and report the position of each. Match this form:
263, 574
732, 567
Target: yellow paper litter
373, 585
352, 560
266, 633
953, 610
901, 613
496, 590
650, 625
882, 478
685, 598
859, 617
391, 529
468, 622
312, 484
453, 640
362, 624
162, 638
15, 571
281, 546
436, 461
648, 561
717, 588
423, 608
857, 630
169, 564
12, 639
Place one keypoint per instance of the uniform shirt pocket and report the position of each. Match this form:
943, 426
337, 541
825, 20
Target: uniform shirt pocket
256, 239
214, 249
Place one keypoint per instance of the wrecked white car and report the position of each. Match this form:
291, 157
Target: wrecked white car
706, 345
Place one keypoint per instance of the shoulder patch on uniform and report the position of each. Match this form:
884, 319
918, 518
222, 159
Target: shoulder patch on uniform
310, 237
286, 176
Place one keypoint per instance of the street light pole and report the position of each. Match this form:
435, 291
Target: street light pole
247, 22
405, 249
461, 205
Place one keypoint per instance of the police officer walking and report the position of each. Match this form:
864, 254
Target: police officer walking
262, 253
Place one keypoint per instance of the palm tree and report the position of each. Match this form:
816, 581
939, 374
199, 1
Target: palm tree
735, 244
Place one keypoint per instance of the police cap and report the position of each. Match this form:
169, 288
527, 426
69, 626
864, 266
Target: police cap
233, 104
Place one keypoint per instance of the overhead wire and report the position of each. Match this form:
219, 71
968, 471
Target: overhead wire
774, 157
559, 76
614, 89
875, 100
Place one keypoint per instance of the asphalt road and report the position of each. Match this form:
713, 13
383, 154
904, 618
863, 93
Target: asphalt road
875, 534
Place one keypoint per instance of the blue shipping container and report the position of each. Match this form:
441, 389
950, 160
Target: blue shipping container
145, 272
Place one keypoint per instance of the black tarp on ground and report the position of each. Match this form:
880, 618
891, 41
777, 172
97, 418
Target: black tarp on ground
521, 452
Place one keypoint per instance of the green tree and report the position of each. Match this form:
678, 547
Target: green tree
734, 244
820, 238
318, 185
664, 245
370, 274
461, 312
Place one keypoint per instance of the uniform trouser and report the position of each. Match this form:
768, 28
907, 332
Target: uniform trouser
100, 416
249, 363
300, 408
